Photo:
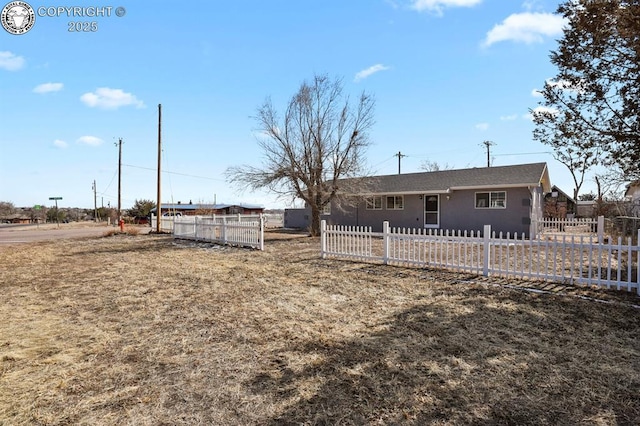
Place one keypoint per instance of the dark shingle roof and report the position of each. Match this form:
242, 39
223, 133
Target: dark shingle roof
521, 175
183, 206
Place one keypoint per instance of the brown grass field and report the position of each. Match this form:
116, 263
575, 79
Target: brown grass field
145, 330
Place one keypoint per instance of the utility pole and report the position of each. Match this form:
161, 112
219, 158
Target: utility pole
95, 202
488, 144
119, 145
399, 155
158, 205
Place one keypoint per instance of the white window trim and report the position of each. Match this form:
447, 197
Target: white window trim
489, 207
395, 197
371, 202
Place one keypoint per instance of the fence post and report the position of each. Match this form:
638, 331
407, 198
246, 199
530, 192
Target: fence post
323, 239
533, 229
486, 235
637, 263
385, 242
261, 236
600, 229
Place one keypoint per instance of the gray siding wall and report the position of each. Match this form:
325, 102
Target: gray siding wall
297, 218
458, 212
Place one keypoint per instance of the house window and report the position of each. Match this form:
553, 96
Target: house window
326, 210
374, 203
395, 202
491, 200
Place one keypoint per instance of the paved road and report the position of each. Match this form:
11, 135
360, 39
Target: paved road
19, 234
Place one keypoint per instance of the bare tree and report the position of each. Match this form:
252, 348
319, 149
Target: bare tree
7, 208
320, 140
434, 166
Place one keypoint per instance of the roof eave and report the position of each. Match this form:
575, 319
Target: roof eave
451, 189
495, 186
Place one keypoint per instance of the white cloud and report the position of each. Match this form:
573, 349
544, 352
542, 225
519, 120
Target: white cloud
540, 109
567, 86
89, 140
48, 87
60, 144
10, 62
436, 6
536, 93
482, 126
511, 117
107, 98
361, 75
530, 4
526, 27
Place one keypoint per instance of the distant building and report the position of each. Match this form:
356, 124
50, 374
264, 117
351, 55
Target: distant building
17, 218
633, 195
586, 208
558, 204
190, 209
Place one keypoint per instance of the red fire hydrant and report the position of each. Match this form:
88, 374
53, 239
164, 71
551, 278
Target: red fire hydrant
121, 225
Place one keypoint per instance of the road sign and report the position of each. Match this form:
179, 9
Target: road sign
55, 198
37, 207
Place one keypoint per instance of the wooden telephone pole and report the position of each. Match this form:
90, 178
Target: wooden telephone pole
95, 203
119, 145
159, 206
399, 155
488, 144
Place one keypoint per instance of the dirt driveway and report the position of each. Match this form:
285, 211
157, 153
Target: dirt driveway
20, 234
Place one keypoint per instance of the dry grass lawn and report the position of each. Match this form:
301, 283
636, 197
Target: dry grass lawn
142, 330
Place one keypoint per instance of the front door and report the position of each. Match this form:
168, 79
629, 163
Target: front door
432, 211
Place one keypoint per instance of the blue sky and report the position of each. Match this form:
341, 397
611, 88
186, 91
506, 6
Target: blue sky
446, 75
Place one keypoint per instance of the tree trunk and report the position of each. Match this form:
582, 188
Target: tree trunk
314, 227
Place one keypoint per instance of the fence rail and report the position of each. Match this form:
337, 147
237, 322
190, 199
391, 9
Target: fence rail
569, 259
231, 230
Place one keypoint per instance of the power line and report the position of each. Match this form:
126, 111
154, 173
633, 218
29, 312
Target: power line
524, 153
174, 173
110, 182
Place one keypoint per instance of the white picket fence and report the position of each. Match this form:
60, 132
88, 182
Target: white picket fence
240, 230
569, 259
571, 225
167, 222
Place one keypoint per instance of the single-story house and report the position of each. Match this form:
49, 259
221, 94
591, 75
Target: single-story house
17, 218
190, 209
509, 198
558, 204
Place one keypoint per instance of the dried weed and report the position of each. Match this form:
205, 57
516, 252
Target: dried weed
146, 330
